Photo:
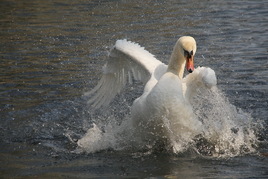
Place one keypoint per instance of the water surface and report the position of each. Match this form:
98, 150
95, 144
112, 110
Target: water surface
52, 52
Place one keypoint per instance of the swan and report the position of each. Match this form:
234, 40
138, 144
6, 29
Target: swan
163, 113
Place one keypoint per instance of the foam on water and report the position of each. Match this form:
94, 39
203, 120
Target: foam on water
225, 131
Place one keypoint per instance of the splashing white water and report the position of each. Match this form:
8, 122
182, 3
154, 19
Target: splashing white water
225, 131
228, 130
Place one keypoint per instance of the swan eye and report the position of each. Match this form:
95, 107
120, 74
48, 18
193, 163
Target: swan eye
185, 53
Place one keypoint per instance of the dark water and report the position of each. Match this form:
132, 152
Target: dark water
52, 52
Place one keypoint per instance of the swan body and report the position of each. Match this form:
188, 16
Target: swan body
163, 111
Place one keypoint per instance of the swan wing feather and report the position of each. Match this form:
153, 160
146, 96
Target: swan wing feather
126, 60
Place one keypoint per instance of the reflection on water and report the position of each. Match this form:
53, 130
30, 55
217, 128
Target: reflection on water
52, 51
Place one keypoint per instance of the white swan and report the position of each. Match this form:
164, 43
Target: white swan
163, 112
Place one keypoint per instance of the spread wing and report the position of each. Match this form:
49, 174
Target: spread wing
127, 60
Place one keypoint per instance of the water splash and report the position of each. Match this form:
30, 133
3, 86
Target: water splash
226, 131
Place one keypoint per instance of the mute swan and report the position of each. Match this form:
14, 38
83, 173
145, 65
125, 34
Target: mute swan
163, 111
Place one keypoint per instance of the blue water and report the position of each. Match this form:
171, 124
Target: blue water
52, 53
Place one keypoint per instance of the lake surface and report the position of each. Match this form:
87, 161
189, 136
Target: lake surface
52, 52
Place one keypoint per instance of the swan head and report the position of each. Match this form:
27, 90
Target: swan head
187, 49
182, 56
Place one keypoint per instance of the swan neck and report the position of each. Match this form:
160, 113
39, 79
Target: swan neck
177, 63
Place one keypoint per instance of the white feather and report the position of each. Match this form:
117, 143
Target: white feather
126, 60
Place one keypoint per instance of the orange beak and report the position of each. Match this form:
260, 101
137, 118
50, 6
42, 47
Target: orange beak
190, 64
